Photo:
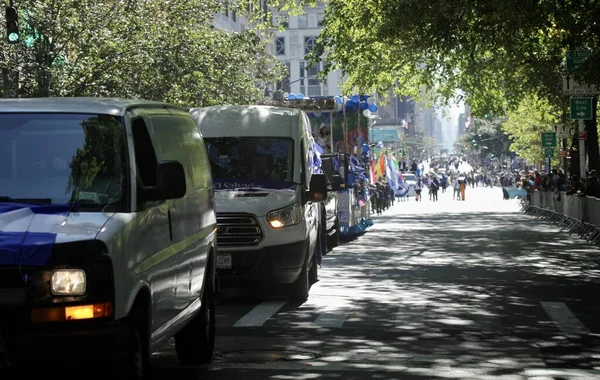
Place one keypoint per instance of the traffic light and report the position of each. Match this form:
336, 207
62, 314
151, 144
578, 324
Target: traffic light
12, 25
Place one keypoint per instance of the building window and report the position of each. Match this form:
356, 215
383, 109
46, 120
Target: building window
309, 84
309, 44
303, 22
234, 16
280, 46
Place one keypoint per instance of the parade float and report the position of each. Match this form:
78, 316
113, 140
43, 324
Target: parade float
346, 129
340, 126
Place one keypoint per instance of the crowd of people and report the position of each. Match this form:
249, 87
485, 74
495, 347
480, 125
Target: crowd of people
556, 181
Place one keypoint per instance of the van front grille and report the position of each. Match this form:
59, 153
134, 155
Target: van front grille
238, 230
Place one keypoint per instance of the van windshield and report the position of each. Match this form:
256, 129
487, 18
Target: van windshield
265, 161
62, 158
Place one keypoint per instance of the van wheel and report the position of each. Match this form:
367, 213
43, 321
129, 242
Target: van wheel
195, 344
137, 360
301, 286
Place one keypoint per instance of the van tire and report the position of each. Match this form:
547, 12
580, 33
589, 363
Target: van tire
195, 343
300, 288
137, 361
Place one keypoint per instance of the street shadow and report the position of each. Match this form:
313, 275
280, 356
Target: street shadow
446, 295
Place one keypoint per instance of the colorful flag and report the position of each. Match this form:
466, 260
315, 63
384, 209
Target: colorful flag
372, 171
392, 173
380, 168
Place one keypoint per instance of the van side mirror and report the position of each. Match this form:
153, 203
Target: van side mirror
170, 182
317, 191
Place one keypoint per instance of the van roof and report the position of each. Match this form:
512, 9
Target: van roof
244, 121
98, 105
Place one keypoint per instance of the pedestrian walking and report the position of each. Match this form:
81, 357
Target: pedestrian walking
418, 189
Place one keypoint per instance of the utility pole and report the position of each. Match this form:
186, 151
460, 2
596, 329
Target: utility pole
5, 83
12, 38
581, 151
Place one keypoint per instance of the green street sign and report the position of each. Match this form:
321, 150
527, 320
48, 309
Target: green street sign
581, 108
548, 139
549, 152
576, 59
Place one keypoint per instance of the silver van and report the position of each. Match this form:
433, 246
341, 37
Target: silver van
268, 195
107, 231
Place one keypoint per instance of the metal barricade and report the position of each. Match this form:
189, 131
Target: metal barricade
572, 213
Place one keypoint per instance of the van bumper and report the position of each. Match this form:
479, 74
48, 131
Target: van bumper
279, 264
91, 345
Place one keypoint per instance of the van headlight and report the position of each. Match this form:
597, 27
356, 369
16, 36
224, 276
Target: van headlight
285, 217
68, 282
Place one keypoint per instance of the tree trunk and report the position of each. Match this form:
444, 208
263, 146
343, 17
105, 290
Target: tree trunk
574, 154
591, 147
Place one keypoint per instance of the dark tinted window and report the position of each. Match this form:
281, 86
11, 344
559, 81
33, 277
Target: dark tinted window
265, 158
64, 157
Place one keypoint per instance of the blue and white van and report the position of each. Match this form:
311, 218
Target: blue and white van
107, 233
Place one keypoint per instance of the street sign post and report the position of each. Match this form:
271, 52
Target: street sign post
581, 108
576, 59
548, 139
548, 152
573, 87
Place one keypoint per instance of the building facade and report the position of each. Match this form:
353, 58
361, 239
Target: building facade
232, 22
291, 46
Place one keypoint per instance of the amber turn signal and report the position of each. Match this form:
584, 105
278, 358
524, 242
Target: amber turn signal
71, 313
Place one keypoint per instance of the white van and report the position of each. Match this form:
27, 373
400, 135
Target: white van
107, 232
267, 195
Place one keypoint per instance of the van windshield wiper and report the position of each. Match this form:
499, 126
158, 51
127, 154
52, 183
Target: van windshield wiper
39, 201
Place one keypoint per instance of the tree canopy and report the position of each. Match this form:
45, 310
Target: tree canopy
149, 49
524, 125
498, 54
487, 137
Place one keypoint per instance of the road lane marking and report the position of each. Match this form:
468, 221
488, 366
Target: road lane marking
566, 321
565, 373
335, 314
260, 314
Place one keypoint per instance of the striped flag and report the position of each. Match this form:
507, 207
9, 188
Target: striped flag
28, 232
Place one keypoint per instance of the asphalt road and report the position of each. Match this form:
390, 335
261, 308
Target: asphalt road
448, 290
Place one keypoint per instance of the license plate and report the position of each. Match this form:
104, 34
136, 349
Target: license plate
224, 261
